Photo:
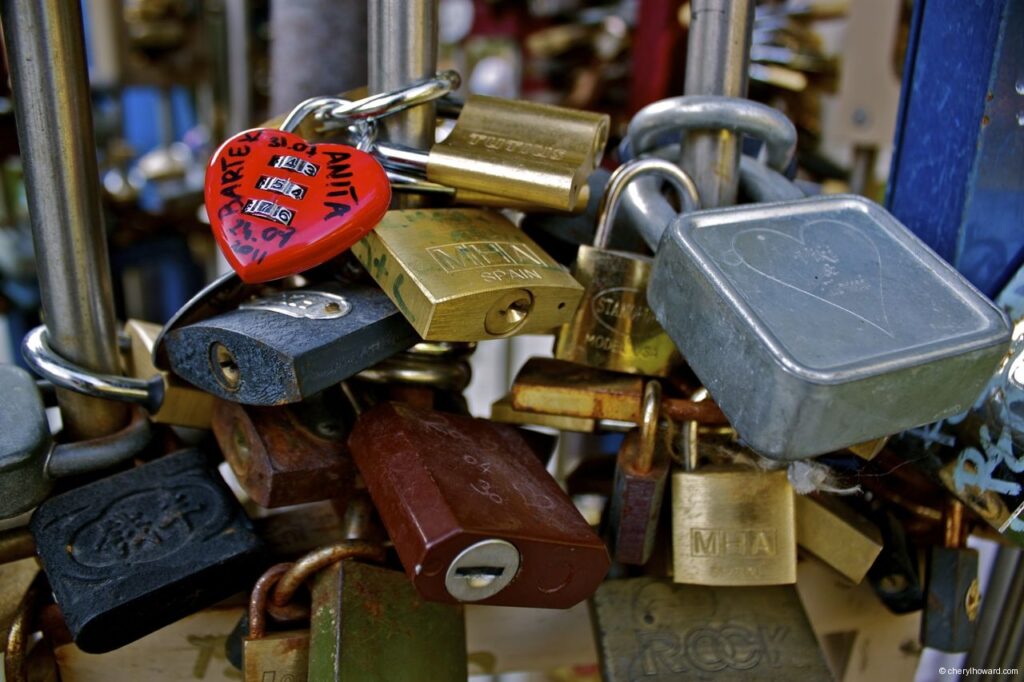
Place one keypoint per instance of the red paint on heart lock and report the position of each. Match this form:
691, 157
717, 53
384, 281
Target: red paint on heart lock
279, 205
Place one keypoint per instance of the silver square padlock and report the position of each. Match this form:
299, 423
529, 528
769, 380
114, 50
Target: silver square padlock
820, 323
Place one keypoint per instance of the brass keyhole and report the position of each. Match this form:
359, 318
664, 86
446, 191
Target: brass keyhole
225, 368
509, 312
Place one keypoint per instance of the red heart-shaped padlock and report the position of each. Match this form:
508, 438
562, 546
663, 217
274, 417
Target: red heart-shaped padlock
279, 205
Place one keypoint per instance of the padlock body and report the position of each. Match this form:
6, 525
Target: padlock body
952, 599
369, 624
283, 353
635, 504
443, 482
733, 526
535, 153
613, 327
648, 628
133, 552
278, 656
183, 404
279, 459
847, 324
467, 275
549, 386
26, 443
836, 535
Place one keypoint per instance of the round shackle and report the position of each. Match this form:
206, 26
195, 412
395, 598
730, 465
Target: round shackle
710, 112
337, 112
259, 598
40, 356
289, 582
625, 174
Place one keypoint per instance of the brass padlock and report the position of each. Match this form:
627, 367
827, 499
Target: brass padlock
732, 524
837, 535
640, 473
535, 153
278, 655
466, 275
613, 327
183, 404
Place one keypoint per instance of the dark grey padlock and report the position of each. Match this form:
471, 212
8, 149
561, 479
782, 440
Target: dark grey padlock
133, 552
29, 459
289, 345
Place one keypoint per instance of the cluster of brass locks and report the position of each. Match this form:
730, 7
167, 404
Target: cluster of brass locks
342, 381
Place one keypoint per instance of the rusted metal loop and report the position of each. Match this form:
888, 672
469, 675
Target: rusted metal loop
258, 599
319, 559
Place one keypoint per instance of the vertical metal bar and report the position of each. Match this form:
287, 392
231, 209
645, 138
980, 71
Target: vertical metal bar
46, 55
717, 58
403, 48
319, 48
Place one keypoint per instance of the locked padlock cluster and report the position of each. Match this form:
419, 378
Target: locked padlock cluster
330, 368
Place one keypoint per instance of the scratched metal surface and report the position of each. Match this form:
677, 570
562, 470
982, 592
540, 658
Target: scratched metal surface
850, 328
957, 176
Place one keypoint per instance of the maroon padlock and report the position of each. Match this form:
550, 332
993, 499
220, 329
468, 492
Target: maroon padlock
472, 512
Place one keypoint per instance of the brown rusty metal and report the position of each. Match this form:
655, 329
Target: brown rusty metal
443, 483
549, 386
280, 460
259, 597
297, 573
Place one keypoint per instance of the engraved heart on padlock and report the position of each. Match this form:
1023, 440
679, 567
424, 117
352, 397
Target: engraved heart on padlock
830, 261
279, 205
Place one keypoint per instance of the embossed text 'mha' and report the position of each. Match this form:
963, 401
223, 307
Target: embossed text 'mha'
469, 255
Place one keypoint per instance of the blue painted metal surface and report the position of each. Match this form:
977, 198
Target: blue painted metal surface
957, 178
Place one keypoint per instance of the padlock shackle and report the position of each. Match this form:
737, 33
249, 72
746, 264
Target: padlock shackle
710, 112
623, 176
337, 112
47, 363
73, 459
258, 599
297, 573
650, 410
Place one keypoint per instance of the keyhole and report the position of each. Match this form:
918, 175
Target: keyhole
509, 312
225, 368
480, 576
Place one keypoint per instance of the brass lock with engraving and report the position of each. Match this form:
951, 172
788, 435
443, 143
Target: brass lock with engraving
467, 274
732, 523
614, 328
534, 153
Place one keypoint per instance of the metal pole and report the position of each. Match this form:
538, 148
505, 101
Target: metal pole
717, 58
403, 48
46, 56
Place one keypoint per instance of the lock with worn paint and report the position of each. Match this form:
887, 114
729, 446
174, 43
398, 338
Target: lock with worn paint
467, 274
289, 345
288, 454
30, 461
556, 387
952, 591
651, 628
472, 512
128, 554
640, 473
613, 327
368, 624
847, 324
535, 153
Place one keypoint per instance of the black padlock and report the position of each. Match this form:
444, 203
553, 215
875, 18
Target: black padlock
289, 345
133, 552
